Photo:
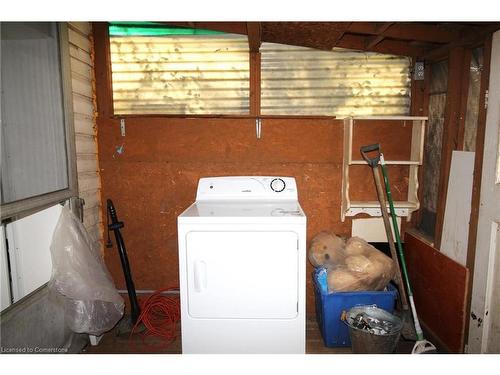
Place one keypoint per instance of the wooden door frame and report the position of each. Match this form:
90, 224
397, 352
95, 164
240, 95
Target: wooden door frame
478, 171
453, 138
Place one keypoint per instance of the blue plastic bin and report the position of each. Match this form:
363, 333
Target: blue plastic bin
329, 309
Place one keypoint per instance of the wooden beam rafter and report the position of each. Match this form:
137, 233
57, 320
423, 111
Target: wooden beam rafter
103, 74
374, 40
411, 31
420, 39
469, 38
226, 27
341, 33
393, 47
325, 36
254, 33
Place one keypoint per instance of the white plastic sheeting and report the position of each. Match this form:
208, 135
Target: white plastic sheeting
91, 302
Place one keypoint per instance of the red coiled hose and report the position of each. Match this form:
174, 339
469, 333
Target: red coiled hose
159, 314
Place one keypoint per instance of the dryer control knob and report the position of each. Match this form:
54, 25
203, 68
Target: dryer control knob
278, 185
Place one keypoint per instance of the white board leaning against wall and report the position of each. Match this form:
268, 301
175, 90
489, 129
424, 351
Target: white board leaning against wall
455, 236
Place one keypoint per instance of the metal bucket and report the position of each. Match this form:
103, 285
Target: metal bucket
373, 341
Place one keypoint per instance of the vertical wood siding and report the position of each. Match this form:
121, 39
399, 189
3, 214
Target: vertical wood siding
82, 76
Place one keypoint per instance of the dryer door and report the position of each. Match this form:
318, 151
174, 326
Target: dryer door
242, 275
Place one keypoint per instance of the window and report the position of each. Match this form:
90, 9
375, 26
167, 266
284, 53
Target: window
27, 254
159, 70
305, 81
38, 163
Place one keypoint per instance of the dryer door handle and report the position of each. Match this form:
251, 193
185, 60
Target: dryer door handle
200, 275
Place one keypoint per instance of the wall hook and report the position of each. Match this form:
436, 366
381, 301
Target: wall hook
258, 127
122, 127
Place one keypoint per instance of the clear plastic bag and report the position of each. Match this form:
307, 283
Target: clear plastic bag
363, 268
91, 302
326, 248
354, 265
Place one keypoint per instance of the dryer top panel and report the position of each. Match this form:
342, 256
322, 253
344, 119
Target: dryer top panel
240, 188
244, 211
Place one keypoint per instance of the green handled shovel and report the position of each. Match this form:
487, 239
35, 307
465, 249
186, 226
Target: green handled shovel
422, 345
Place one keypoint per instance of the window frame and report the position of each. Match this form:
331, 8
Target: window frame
104, 86
247, 112
23, 207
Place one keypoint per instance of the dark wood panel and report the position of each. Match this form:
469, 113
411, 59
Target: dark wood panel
440, 287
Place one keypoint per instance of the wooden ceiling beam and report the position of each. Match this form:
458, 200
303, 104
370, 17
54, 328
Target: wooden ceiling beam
341, 33
225, 27
418, 31
320, 35
397, 38
388, 46
327, 35
254, 32
468, 39
374, 40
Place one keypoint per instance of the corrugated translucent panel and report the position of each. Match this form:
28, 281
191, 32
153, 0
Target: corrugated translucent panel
33, 139
305, 81
195, 74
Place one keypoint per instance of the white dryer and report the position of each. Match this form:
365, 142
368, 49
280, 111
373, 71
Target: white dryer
242, 259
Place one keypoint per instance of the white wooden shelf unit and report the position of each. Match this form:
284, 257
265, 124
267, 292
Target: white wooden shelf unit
372, 208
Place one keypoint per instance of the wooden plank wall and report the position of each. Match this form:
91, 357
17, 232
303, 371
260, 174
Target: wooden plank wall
151, 173
82, 79
155, 177
440, 288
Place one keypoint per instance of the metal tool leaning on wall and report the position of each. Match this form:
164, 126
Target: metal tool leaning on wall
158, 314
421, 345
115, 226
373, 163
